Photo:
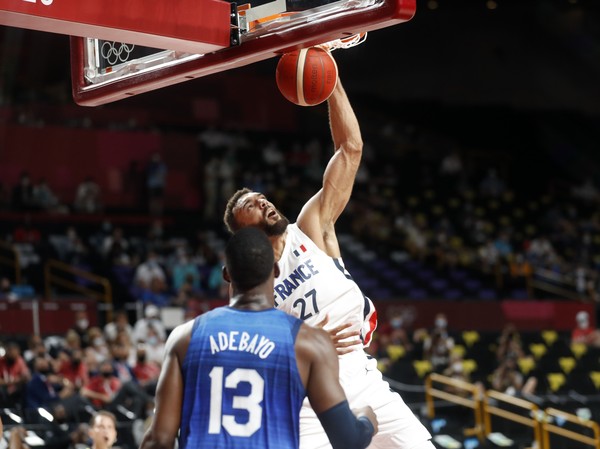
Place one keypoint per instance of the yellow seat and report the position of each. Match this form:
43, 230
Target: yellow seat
422, 367
538, 349
396, 352
555, 381
567, 364
526, 364
549, 337
469, 365
595, 376
470, 337
458, 350
578, 349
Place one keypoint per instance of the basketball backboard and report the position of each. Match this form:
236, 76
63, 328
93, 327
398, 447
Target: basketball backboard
104, 71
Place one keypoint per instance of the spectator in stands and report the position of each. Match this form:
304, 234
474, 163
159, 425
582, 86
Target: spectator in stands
149, 270
120, 362
103, 387
32, 344
586, 191
503, 246
509, 344
146, 371
492, 185
155, 294
520, 271
155, 346
72, 340
437, 344
186, 292
14, 374
106, 391
436, 349
584, 332
141, 329
22, 194
81, 326
451, 170
507, 379
103, 430
88, 197
185, 270
541, 252
120, 323
73, 368
156, 179
488, 256
97, 351
397, 332
45, 199
46, 389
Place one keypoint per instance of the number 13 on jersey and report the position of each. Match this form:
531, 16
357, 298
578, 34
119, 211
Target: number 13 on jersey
251, 403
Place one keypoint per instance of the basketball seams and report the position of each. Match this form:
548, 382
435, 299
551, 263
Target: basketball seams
308, 76
300, 76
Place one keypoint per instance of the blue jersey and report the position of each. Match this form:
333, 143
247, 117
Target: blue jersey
242, 388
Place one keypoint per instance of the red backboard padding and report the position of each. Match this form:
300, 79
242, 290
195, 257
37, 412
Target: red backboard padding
344, 24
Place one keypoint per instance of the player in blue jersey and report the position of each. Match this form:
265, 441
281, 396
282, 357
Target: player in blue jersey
313, 284
236, 377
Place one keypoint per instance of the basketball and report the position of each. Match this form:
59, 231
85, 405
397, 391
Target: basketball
307, 77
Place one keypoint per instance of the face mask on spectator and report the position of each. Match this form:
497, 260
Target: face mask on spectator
82, 323
396, 323
441, 323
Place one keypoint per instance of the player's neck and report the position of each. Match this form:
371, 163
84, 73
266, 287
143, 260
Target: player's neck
255, 299
278, 243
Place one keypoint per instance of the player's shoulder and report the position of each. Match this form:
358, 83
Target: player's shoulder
179, 337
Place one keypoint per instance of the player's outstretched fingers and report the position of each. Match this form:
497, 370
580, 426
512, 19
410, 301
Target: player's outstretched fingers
321, 324
337, 334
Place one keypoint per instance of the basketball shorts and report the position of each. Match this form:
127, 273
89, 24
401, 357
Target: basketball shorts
363, 383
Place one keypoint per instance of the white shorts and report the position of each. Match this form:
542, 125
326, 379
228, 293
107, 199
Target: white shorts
363, 383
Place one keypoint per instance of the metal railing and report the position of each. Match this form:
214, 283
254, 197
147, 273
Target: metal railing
548, 428
529, 420
472, 401
55, 273
9, 257
488, 403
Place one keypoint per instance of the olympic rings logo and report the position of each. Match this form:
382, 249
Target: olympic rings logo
115, 52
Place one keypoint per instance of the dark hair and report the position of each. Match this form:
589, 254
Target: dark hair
249, 258
228, 217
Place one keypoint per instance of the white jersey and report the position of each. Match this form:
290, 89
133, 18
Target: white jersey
312, 284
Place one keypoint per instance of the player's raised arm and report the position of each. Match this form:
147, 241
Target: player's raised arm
318, 366
163, 431
318, 217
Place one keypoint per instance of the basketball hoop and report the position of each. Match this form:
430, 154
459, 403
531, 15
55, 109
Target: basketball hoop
347, 42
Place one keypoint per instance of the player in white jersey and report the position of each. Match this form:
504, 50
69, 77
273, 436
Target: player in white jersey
313, 284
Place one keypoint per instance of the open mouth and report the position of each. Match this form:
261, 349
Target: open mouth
272, 214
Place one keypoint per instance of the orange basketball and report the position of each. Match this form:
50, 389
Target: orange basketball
307, 77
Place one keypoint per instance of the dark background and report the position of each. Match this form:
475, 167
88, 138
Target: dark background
516, 78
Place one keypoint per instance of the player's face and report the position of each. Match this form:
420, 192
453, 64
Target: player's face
253, 209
